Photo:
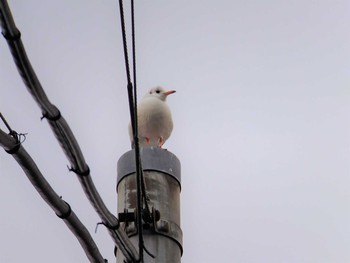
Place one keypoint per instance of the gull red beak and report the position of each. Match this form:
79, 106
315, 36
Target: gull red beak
169, 92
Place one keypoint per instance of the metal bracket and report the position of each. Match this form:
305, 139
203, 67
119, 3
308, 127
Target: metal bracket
126, 216
129, 218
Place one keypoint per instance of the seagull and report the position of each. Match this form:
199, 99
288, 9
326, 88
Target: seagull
154, 119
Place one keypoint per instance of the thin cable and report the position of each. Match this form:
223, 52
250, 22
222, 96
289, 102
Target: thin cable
133, 35
126, 57
133, 116
127, 67
136, 135
139, 172
5, 122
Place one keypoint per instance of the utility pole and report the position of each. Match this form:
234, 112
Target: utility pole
161, 229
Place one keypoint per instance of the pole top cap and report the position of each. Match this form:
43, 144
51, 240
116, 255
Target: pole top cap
152, 159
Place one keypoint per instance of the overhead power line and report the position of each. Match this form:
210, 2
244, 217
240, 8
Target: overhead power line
132, 97
12, 145
133, 120
62, 132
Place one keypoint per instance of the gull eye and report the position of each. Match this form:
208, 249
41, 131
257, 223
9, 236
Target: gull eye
158, 91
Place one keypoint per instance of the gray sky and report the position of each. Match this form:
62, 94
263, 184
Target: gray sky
261, 115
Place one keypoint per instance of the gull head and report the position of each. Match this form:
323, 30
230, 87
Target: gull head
159, 92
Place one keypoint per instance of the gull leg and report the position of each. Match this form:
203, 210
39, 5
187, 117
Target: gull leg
161, 142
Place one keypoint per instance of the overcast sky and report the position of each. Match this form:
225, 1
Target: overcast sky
261, 124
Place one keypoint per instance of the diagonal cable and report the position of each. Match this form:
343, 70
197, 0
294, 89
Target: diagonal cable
62, 132
13, 146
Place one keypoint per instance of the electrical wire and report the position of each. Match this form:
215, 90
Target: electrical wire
137, 147
12, 145
142, 199
133, 116
139, 176
62, 132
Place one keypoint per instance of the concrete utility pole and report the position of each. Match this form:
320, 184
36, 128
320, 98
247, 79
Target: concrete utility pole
162, 233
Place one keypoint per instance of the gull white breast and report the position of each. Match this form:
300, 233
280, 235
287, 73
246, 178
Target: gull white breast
155, 123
